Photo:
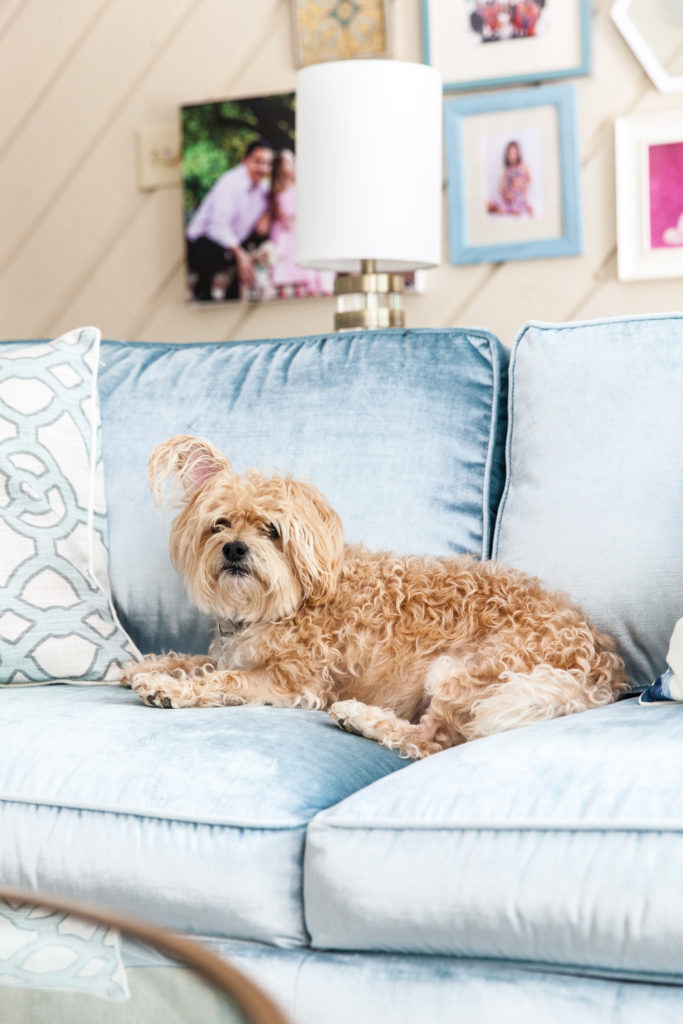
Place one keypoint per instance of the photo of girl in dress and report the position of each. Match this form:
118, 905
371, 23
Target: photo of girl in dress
513, 168
288, 279
493, 21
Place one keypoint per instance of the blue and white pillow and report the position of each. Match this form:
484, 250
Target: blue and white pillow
668, 688
57, 622
55, 950
665, 689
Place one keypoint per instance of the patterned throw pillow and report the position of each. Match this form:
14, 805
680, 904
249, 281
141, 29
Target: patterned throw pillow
62, 952
57, 622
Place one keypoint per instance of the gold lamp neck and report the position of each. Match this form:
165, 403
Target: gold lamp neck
369, 300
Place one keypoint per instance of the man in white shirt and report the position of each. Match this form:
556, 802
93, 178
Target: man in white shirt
226, 218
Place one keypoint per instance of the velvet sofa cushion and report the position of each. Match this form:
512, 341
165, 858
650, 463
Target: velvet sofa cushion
380, 989
194, 819
558, 843
593, 502
57, 621
321, 987
402, 431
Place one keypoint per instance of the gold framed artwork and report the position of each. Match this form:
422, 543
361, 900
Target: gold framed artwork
340, 30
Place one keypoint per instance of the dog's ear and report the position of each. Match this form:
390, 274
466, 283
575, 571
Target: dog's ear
314, 540
185, 463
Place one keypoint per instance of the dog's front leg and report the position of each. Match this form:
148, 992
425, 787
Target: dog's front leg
204, 686
165, 663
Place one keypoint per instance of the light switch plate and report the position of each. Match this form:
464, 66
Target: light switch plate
158, 149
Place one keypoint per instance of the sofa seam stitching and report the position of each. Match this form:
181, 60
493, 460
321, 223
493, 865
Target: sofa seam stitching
469, 826
150, 815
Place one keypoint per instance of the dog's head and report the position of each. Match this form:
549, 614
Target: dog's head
249, 547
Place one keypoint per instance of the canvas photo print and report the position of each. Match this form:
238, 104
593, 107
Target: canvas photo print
239, 202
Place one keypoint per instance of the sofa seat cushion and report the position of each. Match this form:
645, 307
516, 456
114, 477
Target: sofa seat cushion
193, 819
403, 432
314, 987
559, 843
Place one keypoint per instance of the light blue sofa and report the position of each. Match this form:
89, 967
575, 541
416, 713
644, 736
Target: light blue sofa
530, 876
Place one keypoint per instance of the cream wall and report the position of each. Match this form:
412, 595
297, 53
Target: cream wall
81, 244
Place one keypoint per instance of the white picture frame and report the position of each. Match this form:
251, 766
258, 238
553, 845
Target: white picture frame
660, 28
647, 248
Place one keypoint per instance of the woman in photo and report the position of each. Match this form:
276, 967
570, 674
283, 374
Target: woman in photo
514, 185
289, 279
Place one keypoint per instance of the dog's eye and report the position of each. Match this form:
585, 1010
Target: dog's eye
221, 524
272, 531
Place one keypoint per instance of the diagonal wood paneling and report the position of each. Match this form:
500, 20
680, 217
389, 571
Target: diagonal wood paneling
81, 244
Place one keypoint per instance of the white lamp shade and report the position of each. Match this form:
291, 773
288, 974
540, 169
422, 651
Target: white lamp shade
369, 165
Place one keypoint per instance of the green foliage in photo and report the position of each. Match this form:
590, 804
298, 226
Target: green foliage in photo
216, 135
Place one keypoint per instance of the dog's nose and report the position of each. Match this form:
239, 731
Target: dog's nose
235, 551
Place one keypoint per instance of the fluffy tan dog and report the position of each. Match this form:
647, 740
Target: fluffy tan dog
416, 653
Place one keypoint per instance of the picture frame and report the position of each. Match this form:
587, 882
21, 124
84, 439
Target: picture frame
340, 30
513, 175
477, 44
238, 161
655, 35
649, 187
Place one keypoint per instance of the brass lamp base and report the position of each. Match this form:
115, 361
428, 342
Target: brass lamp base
369, 300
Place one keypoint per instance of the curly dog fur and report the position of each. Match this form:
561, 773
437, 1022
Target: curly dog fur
416, 653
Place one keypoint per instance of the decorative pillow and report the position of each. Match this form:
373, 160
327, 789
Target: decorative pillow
52, 949
57, 622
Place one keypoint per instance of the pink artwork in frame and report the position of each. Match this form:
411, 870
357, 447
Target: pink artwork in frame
666, 194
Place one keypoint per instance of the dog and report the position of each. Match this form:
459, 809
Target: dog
417, 653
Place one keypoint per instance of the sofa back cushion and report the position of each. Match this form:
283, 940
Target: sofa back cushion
402, 431
594, 497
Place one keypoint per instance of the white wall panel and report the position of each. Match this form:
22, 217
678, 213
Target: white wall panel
80, 243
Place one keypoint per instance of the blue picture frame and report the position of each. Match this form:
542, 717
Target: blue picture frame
549, 71
570, 241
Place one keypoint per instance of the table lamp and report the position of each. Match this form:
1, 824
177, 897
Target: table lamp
369, 173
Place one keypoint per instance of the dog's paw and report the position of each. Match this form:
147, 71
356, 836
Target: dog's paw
160, 690
347, 715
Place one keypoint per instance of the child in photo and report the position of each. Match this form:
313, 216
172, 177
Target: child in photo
515, 182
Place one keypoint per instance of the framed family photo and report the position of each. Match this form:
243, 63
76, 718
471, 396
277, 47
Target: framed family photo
480, 43
339, 30
649, 156
239, 202
513, 170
